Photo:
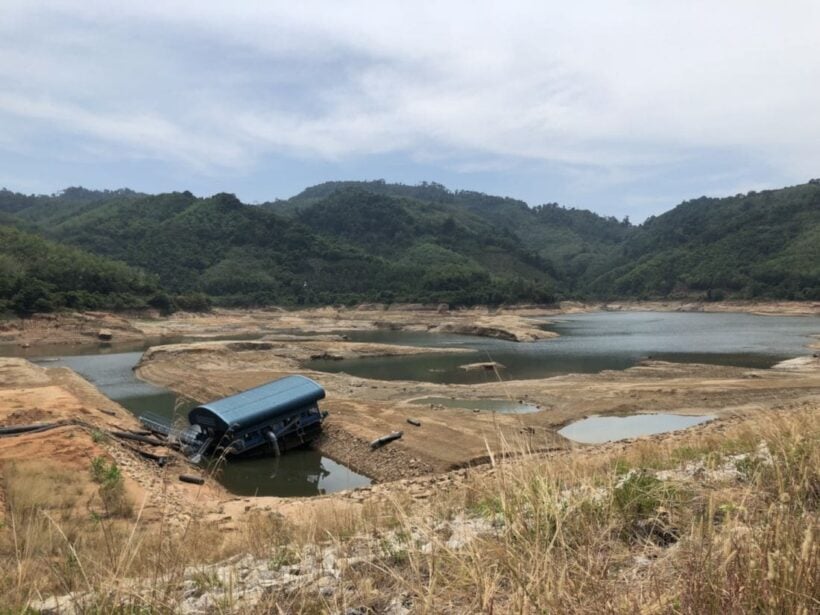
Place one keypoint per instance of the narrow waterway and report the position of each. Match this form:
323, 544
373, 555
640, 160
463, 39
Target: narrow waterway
303, 472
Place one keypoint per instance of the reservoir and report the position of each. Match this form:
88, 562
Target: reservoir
303, 472
591, 343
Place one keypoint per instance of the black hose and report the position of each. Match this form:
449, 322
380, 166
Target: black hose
21, 429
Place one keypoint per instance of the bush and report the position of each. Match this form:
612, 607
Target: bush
193, 302
112, 486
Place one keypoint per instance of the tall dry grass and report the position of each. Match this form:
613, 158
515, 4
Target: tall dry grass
712, 522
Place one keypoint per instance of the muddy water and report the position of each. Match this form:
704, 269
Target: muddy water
591, 343
297, 473
597, 429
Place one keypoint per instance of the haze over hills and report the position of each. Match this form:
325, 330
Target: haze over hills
375, 241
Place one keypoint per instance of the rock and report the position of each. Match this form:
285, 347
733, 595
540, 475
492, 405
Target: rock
105, 334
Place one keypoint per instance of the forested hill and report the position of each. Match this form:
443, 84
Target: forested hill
374, 241
37, 275
245, 255
761, 244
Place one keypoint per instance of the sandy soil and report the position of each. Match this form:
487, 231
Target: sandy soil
360, 410
30, 394
70, 328
510, 323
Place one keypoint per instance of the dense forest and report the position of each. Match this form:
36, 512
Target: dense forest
348, 242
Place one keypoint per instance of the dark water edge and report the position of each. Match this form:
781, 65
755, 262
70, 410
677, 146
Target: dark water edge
303, 472
504, 406
591, 343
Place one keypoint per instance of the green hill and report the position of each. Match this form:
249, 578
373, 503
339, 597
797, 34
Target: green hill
353, 246
374, 241
762, 244
37, 275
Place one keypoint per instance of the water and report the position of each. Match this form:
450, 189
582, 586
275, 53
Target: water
296, 473
597, 429
590, 343
505, 406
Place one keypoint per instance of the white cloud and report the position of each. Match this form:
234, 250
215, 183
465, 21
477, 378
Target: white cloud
622, 87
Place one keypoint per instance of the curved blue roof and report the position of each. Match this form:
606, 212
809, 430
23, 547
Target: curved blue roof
259, 404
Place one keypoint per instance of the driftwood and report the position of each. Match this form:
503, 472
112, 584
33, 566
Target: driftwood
415, 422
160, 459
127, 435
379, 442
194, 480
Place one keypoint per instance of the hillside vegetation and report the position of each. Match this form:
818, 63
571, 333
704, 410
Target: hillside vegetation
37, 275
347, 242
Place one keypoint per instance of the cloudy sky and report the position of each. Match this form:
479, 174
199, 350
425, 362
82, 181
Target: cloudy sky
625, 108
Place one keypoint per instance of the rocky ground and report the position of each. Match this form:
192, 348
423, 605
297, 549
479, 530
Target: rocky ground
445, 453
362, 410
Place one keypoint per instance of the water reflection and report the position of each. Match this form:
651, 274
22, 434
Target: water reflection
297, 473
591, 343
597, 429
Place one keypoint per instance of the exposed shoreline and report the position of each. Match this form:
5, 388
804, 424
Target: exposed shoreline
512, 323
362, 409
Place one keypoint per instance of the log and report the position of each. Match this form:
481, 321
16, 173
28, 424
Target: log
194, 480
379, 442
15, 430
127, 435
415, 422
160, 459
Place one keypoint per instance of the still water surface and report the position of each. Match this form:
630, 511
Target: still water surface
588, 343
591, 343
597, 429
297, 473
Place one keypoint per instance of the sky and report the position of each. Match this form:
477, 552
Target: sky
622, 107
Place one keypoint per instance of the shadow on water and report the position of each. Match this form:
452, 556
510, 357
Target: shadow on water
297, 473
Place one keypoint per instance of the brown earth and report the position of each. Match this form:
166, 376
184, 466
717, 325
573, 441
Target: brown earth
70, 328
30, 394
360, 410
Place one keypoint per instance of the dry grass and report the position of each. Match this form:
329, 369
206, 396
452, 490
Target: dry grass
715, 522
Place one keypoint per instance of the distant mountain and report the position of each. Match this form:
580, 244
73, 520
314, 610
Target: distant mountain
761, 244
574, 245
375, 241
339, 250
